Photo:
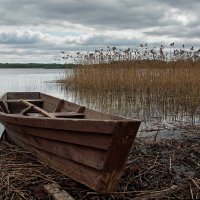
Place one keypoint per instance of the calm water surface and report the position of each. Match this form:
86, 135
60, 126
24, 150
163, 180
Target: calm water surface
23, 80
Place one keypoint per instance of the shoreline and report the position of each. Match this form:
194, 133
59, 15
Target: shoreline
155, 169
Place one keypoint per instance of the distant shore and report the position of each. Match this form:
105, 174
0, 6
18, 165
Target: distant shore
36, 65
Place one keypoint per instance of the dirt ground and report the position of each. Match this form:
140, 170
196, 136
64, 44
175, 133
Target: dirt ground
157, 168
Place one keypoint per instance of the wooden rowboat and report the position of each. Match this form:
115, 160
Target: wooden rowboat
89, 146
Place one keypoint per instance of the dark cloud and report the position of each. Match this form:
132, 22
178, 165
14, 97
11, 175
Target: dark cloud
27, 24
113, 14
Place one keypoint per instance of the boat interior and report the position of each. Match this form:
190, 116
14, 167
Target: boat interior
36, 104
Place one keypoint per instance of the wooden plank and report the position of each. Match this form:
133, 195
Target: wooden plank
68, 114
50, 102
3, 97
59, 106
56, 192
15, 106
71, 124
34, 114
23, 95
70, 107
28, 100
36, 108
81, 109
93, 114
122, 141
78, 172
4, 106
90, 157
24, 111
95, 140
48, 106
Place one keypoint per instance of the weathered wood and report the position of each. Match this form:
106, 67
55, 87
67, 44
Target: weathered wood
33, 101
24, 111
59, 106
68, 114
58, 115
40, 110
15, 106
56, 192
93, 114
122, 140
78, 172
90, 157
23, 95
69, 107
50, 103
3, 97
91, 150
95, 140
4, 107
81, 109
71, 124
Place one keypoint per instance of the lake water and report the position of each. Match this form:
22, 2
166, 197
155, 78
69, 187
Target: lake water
44, 80
31, 80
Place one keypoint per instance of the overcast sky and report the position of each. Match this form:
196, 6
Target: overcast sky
37, 31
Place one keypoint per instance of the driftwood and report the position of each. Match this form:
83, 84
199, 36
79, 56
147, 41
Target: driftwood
56, 192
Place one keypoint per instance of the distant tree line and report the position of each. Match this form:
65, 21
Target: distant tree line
36, 65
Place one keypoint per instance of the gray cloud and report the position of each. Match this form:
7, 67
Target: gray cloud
30, 25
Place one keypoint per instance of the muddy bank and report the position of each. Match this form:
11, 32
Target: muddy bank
156, 168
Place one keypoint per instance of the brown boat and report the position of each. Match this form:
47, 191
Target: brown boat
89, 146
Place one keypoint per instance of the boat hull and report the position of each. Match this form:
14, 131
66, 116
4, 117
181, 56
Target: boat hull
92, 152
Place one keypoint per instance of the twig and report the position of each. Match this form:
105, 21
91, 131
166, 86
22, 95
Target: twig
170, 165
191, 192
156, 135
195, 183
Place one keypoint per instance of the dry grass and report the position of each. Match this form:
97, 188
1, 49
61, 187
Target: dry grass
165, 169
151, 85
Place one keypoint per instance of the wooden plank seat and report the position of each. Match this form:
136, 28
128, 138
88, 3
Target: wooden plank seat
29, 100
68, 115
35, 108
58, 115
39, 112
15, 105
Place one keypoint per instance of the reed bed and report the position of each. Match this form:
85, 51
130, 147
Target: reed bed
142, 88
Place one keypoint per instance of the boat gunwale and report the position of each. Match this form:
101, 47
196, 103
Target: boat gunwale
84, 125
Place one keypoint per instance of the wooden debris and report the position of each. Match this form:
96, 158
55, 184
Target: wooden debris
55, 191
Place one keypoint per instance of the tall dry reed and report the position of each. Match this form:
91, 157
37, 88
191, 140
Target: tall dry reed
143, 88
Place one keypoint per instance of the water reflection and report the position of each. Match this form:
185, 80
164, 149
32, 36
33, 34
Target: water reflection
164, 112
